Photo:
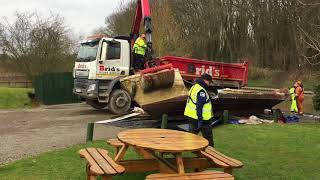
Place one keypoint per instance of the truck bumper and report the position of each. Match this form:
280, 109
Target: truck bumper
86, 88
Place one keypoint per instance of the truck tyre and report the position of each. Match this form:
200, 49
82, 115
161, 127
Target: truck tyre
120, 101
95, 104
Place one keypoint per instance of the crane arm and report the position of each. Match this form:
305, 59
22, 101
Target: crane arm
143, 13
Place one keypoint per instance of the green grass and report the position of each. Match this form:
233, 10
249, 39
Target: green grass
267, 151
259, 83
14, 98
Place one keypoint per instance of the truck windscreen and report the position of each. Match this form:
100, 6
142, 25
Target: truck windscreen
88, 52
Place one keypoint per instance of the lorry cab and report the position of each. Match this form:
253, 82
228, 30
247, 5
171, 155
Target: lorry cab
100, 63
105, 58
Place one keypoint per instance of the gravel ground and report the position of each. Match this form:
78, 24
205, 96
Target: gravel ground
29, 132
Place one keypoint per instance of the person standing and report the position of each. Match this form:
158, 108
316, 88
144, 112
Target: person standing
293, 99
299, 96
199, 108
139, 50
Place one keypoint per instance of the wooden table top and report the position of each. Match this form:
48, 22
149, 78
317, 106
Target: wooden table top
163, 140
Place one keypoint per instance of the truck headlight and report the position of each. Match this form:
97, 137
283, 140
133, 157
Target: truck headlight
91, 87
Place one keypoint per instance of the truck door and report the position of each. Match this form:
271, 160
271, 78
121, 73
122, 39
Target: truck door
112, 61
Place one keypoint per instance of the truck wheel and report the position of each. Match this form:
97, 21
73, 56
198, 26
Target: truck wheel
95, 104
120, 101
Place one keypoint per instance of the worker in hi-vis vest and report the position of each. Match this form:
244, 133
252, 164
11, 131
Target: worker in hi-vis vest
199, 108
293, 99
139, 50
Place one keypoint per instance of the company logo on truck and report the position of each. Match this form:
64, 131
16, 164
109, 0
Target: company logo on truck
109, 69
82, 66
209, 70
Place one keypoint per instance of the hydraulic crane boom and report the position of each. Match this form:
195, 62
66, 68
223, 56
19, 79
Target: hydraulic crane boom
143, 13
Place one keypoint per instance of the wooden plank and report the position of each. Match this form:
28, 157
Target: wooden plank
216, 175
89, 174
164, 168
163, 140
179, 161
93, 166
228, 160
103, 164
217, 152
143, 165
92, 178
143, 153
228, 170
121, 153
214, 159
115, 142
106, 177
115, 166
163, 162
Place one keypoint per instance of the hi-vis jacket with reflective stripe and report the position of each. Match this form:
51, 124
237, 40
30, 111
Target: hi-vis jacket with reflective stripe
139, 47
294, 107
191, 106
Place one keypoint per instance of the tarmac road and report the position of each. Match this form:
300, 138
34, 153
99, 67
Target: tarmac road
28, 132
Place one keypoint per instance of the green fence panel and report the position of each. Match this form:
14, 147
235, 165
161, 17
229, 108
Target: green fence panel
55, 88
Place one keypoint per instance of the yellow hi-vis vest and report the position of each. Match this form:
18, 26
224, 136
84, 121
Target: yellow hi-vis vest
191, 106
294, 107
139, 47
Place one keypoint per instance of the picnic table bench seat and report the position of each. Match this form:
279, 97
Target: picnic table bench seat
100, 164
221, 160
204, 175
116, 144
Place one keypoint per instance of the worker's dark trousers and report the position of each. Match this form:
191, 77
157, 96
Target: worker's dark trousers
205, 129
138, 61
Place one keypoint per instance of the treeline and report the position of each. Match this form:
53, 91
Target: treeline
275, 34
34, 44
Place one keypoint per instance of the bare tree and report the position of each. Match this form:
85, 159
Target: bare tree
119, 22
37, 45
309, 30
100, 30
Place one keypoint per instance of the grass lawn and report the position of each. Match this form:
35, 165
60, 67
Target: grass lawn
14, 97
267, 151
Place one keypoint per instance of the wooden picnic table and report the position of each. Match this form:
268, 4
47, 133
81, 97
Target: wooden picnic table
161, 150
154, 143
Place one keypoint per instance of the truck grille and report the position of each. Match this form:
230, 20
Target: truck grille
81, 83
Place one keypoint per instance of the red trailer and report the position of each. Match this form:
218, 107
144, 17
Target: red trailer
225, 75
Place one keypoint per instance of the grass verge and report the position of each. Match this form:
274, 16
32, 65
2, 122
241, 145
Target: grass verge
14, 98
267, 151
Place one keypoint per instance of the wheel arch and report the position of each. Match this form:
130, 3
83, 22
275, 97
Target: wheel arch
114, 84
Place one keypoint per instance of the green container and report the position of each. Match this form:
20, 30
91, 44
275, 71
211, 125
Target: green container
55, 88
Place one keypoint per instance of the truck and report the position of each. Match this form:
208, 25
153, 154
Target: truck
104, 75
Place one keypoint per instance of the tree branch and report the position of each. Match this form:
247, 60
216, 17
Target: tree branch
308, 4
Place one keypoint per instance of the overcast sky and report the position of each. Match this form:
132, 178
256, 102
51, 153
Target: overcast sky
82, 15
